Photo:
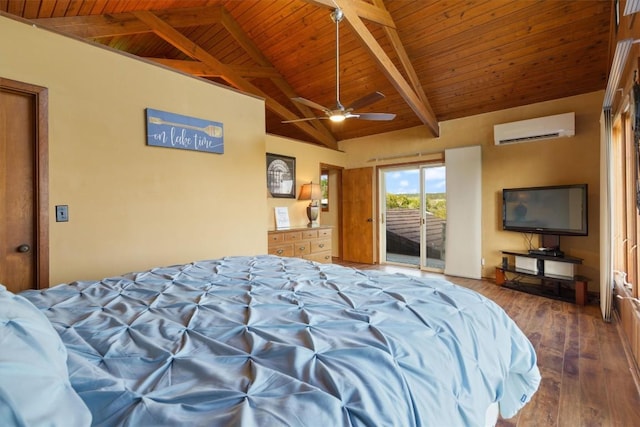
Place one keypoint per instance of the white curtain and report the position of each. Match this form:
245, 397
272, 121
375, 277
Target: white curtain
464, 212
606, 204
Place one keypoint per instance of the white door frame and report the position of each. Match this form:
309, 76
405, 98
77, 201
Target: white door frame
421, 168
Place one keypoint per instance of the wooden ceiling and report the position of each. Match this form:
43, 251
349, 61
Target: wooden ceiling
433, 60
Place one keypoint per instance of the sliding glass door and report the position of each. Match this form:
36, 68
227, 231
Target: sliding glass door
435, 217
413, 207
400, 206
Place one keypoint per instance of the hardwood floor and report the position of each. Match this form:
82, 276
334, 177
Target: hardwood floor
586, 378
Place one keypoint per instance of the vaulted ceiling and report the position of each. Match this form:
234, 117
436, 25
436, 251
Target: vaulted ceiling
433, 60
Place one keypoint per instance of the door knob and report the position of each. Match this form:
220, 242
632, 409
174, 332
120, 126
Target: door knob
369, 219
24, 248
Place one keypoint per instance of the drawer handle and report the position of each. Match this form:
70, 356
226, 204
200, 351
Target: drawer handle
301, 248
321, 245
280, 251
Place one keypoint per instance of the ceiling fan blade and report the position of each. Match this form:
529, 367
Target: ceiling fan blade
310, 103
306, 119
375, 116
366, 100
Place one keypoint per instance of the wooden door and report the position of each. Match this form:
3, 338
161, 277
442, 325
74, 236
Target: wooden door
357, 218
23, 229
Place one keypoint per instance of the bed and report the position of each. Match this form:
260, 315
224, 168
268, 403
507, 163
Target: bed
260, 341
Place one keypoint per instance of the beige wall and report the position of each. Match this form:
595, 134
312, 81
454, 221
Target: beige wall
558, 161
132, 206
308, 160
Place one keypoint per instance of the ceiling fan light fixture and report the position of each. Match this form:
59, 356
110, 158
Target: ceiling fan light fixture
337, 118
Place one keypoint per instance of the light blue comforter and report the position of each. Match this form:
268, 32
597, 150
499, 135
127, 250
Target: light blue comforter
268, 341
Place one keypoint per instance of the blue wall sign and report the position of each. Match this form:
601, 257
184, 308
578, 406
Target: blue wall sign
186, 133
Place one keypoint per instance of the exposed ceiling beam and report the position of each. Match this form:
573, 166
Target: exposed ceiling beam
125, 23
394, 37
128, 23
200, 69
424, 113
256, 54
163, 30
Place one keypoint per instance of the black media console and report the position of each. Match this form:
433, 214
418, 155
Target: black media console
555, 275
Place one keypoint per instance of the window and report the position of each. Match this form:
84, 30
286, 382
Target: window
324, 186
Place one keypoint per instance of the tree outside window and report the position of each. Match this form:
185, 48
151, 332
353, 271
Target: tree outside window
324, 186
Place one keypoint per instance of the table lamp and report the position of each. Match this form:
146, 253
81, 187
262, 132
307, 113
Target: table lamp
313, 193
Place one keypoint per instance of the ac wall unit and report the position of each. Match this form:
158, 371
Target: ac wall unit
535, 129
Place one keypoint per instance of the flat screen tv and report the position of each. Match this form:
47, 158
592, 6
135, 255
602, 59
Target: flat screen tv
560, 210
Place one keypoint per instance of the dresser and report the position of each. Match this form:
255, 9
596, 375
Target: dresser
309, 243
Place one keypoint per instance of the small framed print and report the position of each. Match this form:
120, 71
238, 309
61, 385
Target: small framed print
281, 176
282, 217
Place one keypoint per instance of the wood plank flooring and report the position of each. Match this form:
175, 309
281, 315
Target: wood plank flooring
586, 376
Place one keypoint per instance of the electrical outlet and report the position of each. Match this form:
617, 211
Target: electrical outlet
62, 213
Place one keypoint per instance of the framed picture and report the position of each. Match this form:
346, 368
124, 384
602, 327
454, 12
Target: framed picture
281, 176
282, 217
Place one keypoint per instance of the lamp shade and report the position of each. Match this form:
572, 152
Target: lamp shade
310, 191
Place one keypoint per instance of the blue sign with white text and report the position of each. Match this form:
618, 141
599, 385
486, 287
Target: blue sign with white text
186, 133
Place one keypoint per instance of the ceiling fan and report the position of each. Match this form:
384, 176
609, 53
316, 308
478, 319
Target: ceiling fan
339, 113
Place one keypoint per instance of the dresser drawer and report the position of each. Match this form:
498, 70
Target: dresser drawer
320, 245
301, 248
276, 238
292, 236
310, 234
323, 257
325, 232
281, 249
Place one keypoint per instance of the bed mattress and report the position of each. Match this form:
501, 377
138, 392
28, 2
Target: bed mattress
270, 341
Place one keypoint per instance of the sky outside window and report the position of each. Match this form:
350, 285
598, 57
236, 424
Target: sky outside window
408, 181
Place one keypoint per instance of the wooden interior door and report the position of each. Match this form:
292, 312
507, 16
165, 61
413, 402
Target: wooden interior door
23, 202
357, 215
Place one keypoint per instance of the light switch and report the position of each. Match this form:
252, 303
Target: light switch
62, 213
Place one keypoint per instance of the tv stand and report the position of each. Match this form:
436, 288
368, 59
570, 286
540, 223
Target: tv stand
544, 269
